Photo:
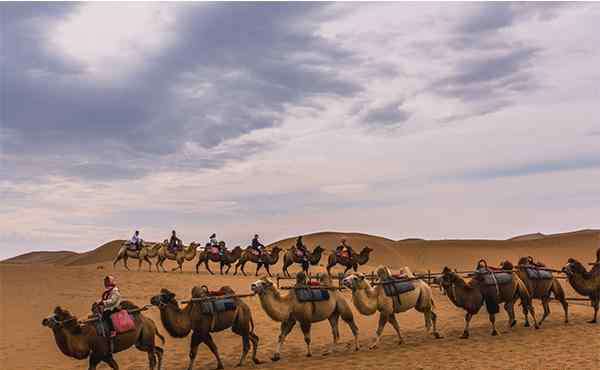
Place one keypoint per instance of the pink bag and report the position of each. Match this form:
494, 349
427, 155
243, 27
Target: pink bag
122, 321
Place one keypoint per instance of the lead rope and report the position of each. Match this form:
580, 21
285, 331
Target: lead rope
496, 284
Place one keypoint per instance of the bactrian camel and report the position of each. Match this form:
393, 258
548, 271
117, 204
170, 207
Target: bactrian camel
186, 254
291, 256
470, 297
369, 300
266, 259
82, 340
179, 322
586, 283
227, 259
147, 251
350, 263
288, 310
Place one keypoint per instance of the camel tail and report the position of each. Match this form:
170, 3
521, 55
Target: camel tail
158, 334
557, 290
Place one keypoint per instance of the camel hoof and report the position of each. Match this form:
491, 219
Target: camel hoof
309, 355
494, 333
257, 361
276, 357
437, 336
536, 327
513, 323
592, 322
220, 367
526, 325
465, 335
373, 346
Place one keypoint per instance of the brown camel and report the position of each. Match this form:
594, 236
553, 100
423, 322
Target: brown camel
186, 254
368, 300
541, 289
354, 262
470, 297
288, 310
147, 251
82, 340
586, 283
227, 259
179, 322
266, 259
291, 256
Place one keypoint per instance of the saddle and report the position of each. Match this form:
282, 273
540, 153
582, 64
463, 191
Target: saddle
344, 255
217, 305
122, 322
495, 278
537, 274
299, 253
131, 247
311, 294
394, 287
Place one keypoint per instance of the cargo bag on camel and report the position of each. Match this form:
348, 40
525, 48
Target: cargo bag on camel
491, 282
393, 287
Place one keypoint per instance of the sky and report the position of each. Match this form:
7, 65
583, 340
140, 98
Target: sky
455, 120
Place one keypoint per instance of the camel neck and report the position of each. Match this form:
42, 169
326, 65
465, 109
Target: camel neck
277, 307
175, 320
584, 285
365, 300
71, 344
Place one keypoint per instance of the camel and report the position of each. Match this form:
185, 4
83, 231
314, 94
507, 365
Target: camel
144, 254
229, 258
290, 257
354, 262
82, 340
186, 254
369, 300
180, 321
541, 289
586, 283
288, 310
266, 260
470, 297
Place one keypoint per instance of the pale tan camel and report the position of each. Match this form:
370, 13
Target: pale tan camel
82, 340
180, 321
186, 254
288, 310
369, 300
147, 251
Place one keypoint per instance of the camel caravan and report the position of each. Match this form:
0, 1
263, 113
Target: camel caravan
116, 325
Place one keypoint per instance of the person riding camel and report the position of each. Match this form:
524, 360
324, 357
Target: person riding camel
213, 243
301, 247
111, 299
175, 244
257, 245
136, 240
344, 249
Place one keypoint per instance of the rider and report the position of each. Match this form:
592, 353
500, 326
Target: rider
111, 299
301, 247
344, 248
136, 240
257, 245
174, 243
212, 241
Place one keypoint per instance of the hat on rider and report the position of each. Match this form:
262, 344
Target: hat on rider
213, 235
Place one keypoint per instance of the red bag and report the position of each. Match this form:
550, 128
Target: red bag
122, 321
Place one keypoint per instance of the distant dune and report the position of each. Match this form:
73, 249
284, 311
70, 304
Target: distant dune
420, 254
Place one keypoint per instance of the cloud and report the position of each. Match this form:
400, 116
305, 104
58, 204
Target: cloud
387, 115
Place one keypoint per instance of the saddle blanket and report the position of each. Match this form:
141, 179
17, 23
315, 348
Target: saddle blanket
394, 287
311, 295
494, 278
536, 274
214, 250
122, 321
343, 255
217, 306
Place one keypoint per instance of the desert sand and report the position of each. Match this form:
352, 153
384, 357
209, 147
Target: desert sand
33, 284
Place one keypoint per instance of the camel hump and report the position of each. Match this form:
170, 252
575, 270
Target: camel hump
128, 305
408, 272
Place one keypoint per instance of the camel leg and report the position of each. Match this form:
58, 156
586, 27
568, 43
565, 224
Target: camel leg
117, 259
213, 348
258, 266
254, 341
510, 309
268, 270
596, 305
228, 268
147, 259
305, 326
349, 319
335, 331
433, 318
546, 305
493, 321
383, 318
468, 318
195, 342
286, 328
347, 269
140, 263
392, 319
242, 269
125, 262
94, 361
531, 310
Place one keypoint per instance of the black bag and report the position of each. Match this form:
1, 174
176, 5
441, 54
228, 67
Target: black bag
311, 295
536, 274
395, 287
218, 305
493, 278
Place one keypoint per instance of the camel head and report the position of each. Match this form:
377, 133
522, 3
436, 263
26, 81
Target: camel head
195, 245
58, 319
354, 281
448, 278
164, 298
262, 285
366, 250
574, 267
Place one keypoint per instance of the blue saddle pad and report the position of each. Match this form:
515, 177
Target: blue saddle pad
311, 295
499, 278
394, 287
218, 305
536, 274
